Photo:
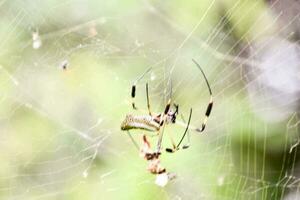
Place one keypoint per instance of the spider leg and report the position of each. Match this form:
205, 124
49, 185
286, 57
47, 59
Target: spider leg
188, 133
133, 87
133, 141
207, 113
210, 104
162, 125
173, 121
172, 141
160, 137
177, 147
148, 101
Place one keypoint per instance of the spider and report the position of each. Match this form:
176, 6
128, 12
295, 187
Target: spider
156, 122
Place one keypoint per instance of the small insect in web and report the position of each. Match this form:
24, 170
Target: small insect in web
154, 166
156, 122
64, 65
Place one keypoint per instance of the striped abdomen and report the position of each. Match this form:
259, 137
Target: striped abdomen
145, 122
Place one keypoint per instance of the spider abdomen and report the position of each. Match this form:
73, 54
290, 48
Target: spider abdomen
144, 122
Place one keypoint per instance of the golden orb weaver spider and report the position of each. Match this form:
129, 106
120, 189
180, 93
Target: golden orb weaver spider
156, 122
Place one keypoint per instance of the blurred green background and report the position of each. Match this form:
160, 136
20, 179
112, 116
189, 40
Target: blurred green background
60, 128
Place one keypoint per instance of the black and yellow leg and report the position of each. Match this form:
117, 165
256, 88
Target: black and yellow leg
210, 104
133, 90
160, 136
177, 147
167, 108
162, 124
148, 100
207, 113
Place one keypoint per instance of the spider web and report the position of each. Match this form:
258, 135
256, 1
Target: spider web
66, 72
